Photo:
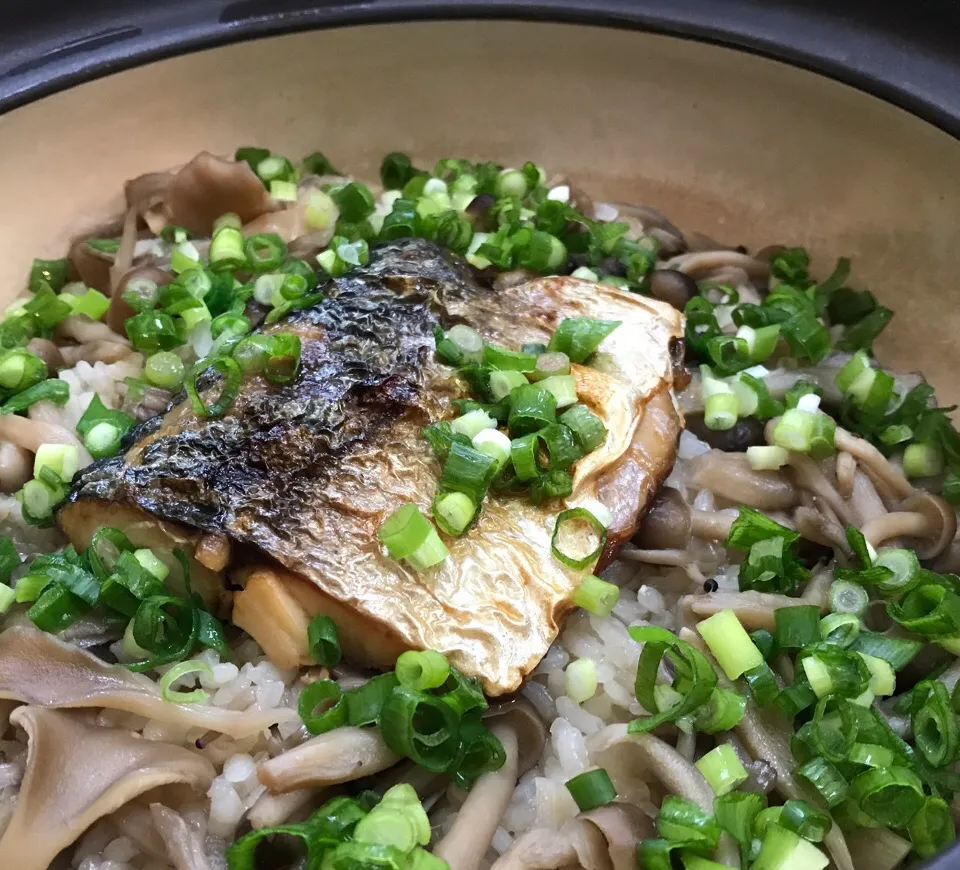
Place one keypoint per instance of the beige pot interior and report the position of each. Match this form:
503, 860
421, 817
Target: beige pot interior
743, 148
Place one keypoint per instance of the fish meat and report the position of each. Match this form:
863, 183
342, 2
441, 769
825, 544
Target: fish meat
300, 476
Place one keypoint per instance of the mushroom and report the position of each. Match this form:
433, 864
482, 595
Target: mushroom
119, 309
865, 499
38, 668
846, 473
814, 525
341, 755
96, 351
672, 287
808, 475
753, 609
643, 756
666, 524
711, 525
873, 462
924, 516
91, 265
746, 432
276, 809
81, 329
30, 434
77, 773
645, 220
145, 195
622, 826
575, 845
185, 844
208, 187
48, 352
877, 848
16, 466
700, 264
730, 476
292, 225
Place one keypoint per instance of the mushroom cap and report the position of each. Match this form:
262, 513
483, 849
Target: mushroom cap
942, 518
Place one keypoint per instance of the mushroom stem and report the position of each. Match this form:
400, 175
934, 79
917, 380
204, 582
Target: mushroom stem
894, 525
468, 840
277, 809
846, 472
809, 476
873, 460
753, 609
341, 755
711, 525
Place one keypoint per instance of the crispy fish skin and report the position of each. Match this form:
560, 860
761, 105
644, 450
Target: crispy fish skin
307, 472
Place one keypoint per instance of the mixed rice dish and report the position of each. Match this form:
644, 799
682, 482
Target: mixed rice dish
461, 522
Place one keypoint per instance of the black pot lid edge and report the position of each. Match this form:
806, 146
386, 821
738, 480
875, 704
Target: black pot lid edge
904, 61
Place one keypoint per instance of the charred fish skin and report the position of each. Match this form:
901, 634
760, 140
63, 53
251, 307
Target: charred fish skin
364, 351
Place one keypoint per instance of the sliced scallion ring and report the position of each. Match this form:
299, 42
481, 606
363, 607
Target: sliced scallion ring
328, 696
197, 696
575, 553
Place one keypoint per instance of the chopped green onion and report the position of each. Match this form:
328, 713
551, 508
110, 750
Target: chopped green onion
825, 779
692, 687
472, 423
729, 643
785, 850
721, 411
149, 562
736, 813
923, 460
934, 722
722, 769
20, 369
892, 796
283, 190
579, 337
318, 164
503, 383
420, 727
760, 342
264, 252
882, 677
323, 642
29, 587
197, 696
229, 390
728, 353
227, 249
550, 365
331, 701
454, 511
354, 201
797, 626
420, 671
164, 369
493, 443
592, 789
932, 828
596, 596
531, 408
51, 272
39, 499
366, 701
898, 652
840, 628
929, 610
150, 331
468, 471
682, 820
586, 426
580, 680
767, 458
845, 596
395, 171
508, 360
563, 387
404, 531
762, 683
62, 459
571, 542
723, 711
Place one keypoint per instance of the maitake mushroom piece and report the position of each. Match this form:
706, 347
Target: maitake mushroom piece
77, 773
37, 668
